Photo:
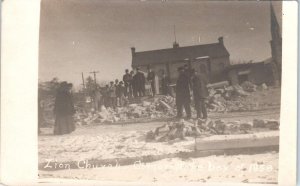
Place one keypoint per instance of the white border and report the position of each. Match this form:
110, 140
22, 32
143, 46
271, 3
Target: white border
19, 79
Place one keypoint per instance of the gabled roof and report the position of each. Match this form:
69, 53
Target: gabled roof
213, 50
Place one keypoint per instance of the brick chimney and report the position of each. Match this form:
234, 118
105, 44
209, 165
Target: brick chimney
221, 40
132, 51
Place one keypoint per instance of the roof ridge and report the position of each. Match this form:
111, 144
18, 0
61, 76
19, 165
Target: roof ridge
179, 47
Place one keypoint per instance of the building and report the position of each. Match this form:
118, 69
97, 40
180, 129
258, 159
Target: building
257, 73
267, 71
213, 58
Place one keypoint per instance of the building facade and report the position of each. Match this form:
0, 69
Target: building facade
257, 73
212, 58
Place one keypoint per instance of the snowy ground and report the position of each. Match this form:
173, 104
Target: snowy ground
117, 141
258, 168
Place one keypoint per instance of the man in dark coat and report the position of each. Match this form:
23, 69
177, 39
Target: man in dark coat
120, 92
183, 96
112, 94
200, 92
127, 78
133, 84
140, 80
151, 79
64, 110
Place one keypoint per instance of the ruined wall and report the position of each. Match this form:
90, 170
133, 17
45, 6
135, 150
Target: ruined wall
218, 66
261, 74
233, 77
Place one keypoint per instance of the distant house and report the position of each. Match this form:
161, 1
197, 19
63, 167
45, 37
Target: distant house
257, 73
267, 71
213, 58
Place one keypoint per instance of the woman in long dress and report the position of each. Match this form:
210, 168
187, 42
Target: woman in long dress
64, 110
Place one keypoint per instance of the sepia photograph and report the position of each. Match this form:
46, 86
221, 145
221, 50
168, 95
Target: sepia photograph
160, 91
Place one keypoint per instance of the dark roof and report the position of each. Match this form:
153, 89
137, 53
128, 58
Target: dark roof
213, 50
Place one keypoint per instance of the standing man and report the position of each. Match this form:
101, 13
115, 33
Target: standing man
64, 110
113, 96
183, 96
120, 92
105, 98
134, 84
200, 92
97, 99
140, 80
127, 78
151, 79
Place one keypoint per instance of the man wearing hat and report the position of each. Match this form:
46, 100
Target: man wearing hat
120, 91
183, 96
151, 79
200, 93
140, 80
127, 78
113, 96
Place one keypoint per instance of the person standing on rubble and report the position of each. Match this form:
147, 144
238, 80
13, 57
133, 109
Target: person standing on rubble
97, 99
112, 95
106, 96
200, 92
151, 79
120, 91
64, 110
139, 81
183, 96
127, 78
133, 89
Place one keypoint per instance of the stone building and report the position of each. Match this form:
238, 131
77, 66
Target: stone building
213, 58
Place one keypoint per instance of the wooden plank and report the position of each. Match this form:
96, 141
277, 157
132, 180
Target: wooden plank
237, 143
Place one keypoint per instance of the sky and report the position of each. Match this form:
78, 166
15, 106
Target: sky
95, 35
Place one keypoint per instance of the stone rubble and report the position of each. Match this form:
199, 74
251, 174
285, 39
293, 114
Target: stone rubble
222, 98
203, 128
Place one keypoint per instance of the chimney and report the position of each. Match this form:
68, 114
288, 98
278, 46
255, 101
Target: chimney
132, 51
221, 40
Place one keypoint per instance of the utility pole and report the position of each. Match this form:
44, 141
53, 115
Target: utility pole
95, 72
82, 80
175, 33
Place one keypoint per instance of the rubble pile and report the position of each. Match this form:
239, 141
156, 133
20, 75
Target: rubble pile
202, 128
233, 98
222, 98
162, 106
248, 86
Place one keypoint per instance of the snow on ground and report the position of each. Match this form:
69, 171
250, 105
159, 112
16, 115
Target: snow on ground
109, 145
258, 168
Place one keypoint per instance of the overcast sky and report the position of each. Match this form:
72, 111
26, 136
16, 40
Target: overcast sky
85, 35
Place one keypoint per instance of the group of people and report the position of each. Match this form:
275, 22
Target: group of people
117, 93
133, 85
189, 79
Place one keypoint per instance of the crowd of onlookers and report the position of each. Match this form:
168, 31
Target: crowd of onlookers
190, 83
133, 85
